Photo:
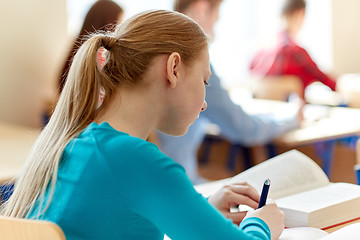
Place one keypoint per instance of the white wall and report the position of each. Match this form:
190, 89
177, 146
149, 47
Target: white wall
346, 36
77, 10
32, 43
246, 25
241, 26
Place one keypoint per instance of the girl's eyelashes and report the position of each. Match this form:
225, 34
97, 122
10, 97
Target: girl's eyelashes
206, 83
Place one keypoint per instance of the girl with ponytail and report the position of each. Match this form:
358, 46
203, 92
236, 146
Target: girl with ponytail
91, 170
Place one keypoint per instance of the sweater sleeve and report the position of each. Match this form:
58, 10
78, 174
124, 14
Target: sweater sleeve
311, 71
156, 188
252, 225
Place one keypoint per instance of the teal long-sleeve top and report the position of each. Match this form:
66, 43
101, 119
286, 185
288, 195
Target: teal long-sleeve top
114, 186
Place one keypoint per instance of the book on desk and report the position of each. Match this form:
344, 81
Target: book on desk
350, 232
302, 190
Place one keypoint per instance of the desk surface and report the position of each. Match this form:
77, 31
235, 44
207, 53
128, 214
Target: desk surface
337, 122
320, 122
15, 144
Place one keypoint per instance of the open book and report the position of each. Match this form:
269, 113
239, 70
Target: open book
350, 232
302, 190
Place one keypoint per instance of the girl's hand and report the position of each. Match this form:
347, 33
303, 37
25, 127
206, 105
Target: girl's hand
272, 216
233, 195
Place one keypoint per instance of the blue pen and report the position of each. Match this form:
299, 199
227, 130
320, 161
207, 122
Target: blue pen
264, 193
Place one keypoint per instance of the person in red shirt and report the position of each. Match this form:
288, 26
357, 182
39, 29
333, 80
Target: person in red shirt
286, 57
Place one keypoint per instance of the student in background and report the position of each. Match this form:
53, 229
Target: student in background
154, 77
287, 57
103, 15
235, 125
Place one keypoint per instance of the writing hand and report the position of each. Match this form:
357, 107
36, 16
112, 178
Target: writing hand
272, 216
233, 195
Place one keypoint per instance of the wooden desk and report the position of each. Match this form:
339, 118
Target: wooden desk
320, 122
336, 123
15, 144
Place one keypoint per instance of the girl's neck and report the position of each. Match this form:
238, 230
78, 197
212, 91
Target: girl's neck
131, 112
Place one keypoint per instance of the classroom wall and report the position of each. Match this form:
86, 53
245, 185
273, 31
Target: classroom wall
346, 36
33, 42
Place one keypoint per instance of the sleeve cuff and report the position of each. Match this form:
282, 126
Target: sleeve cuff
256, 227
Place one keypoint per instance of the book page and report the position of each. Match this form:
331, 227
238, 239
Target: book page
290, 173
320, 198
350, 232
302, 233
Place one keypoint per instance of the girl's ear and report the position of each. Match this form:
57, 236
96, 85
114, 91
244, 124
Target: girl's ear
173, 69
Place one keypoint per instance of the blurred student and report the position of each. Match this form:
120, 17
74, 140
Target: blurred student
287, 57
154, 77
103, 15
235, 125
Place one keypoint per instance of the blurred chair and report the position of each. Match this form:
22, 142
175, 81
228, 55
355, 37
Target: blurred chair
276, 87
26, 229
357, 164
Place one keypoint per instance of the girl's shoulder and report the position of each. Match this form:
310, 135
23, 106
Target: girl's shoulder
116, 143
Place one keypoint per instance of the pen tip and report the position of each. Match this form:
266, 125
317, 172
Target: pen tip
267, 181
